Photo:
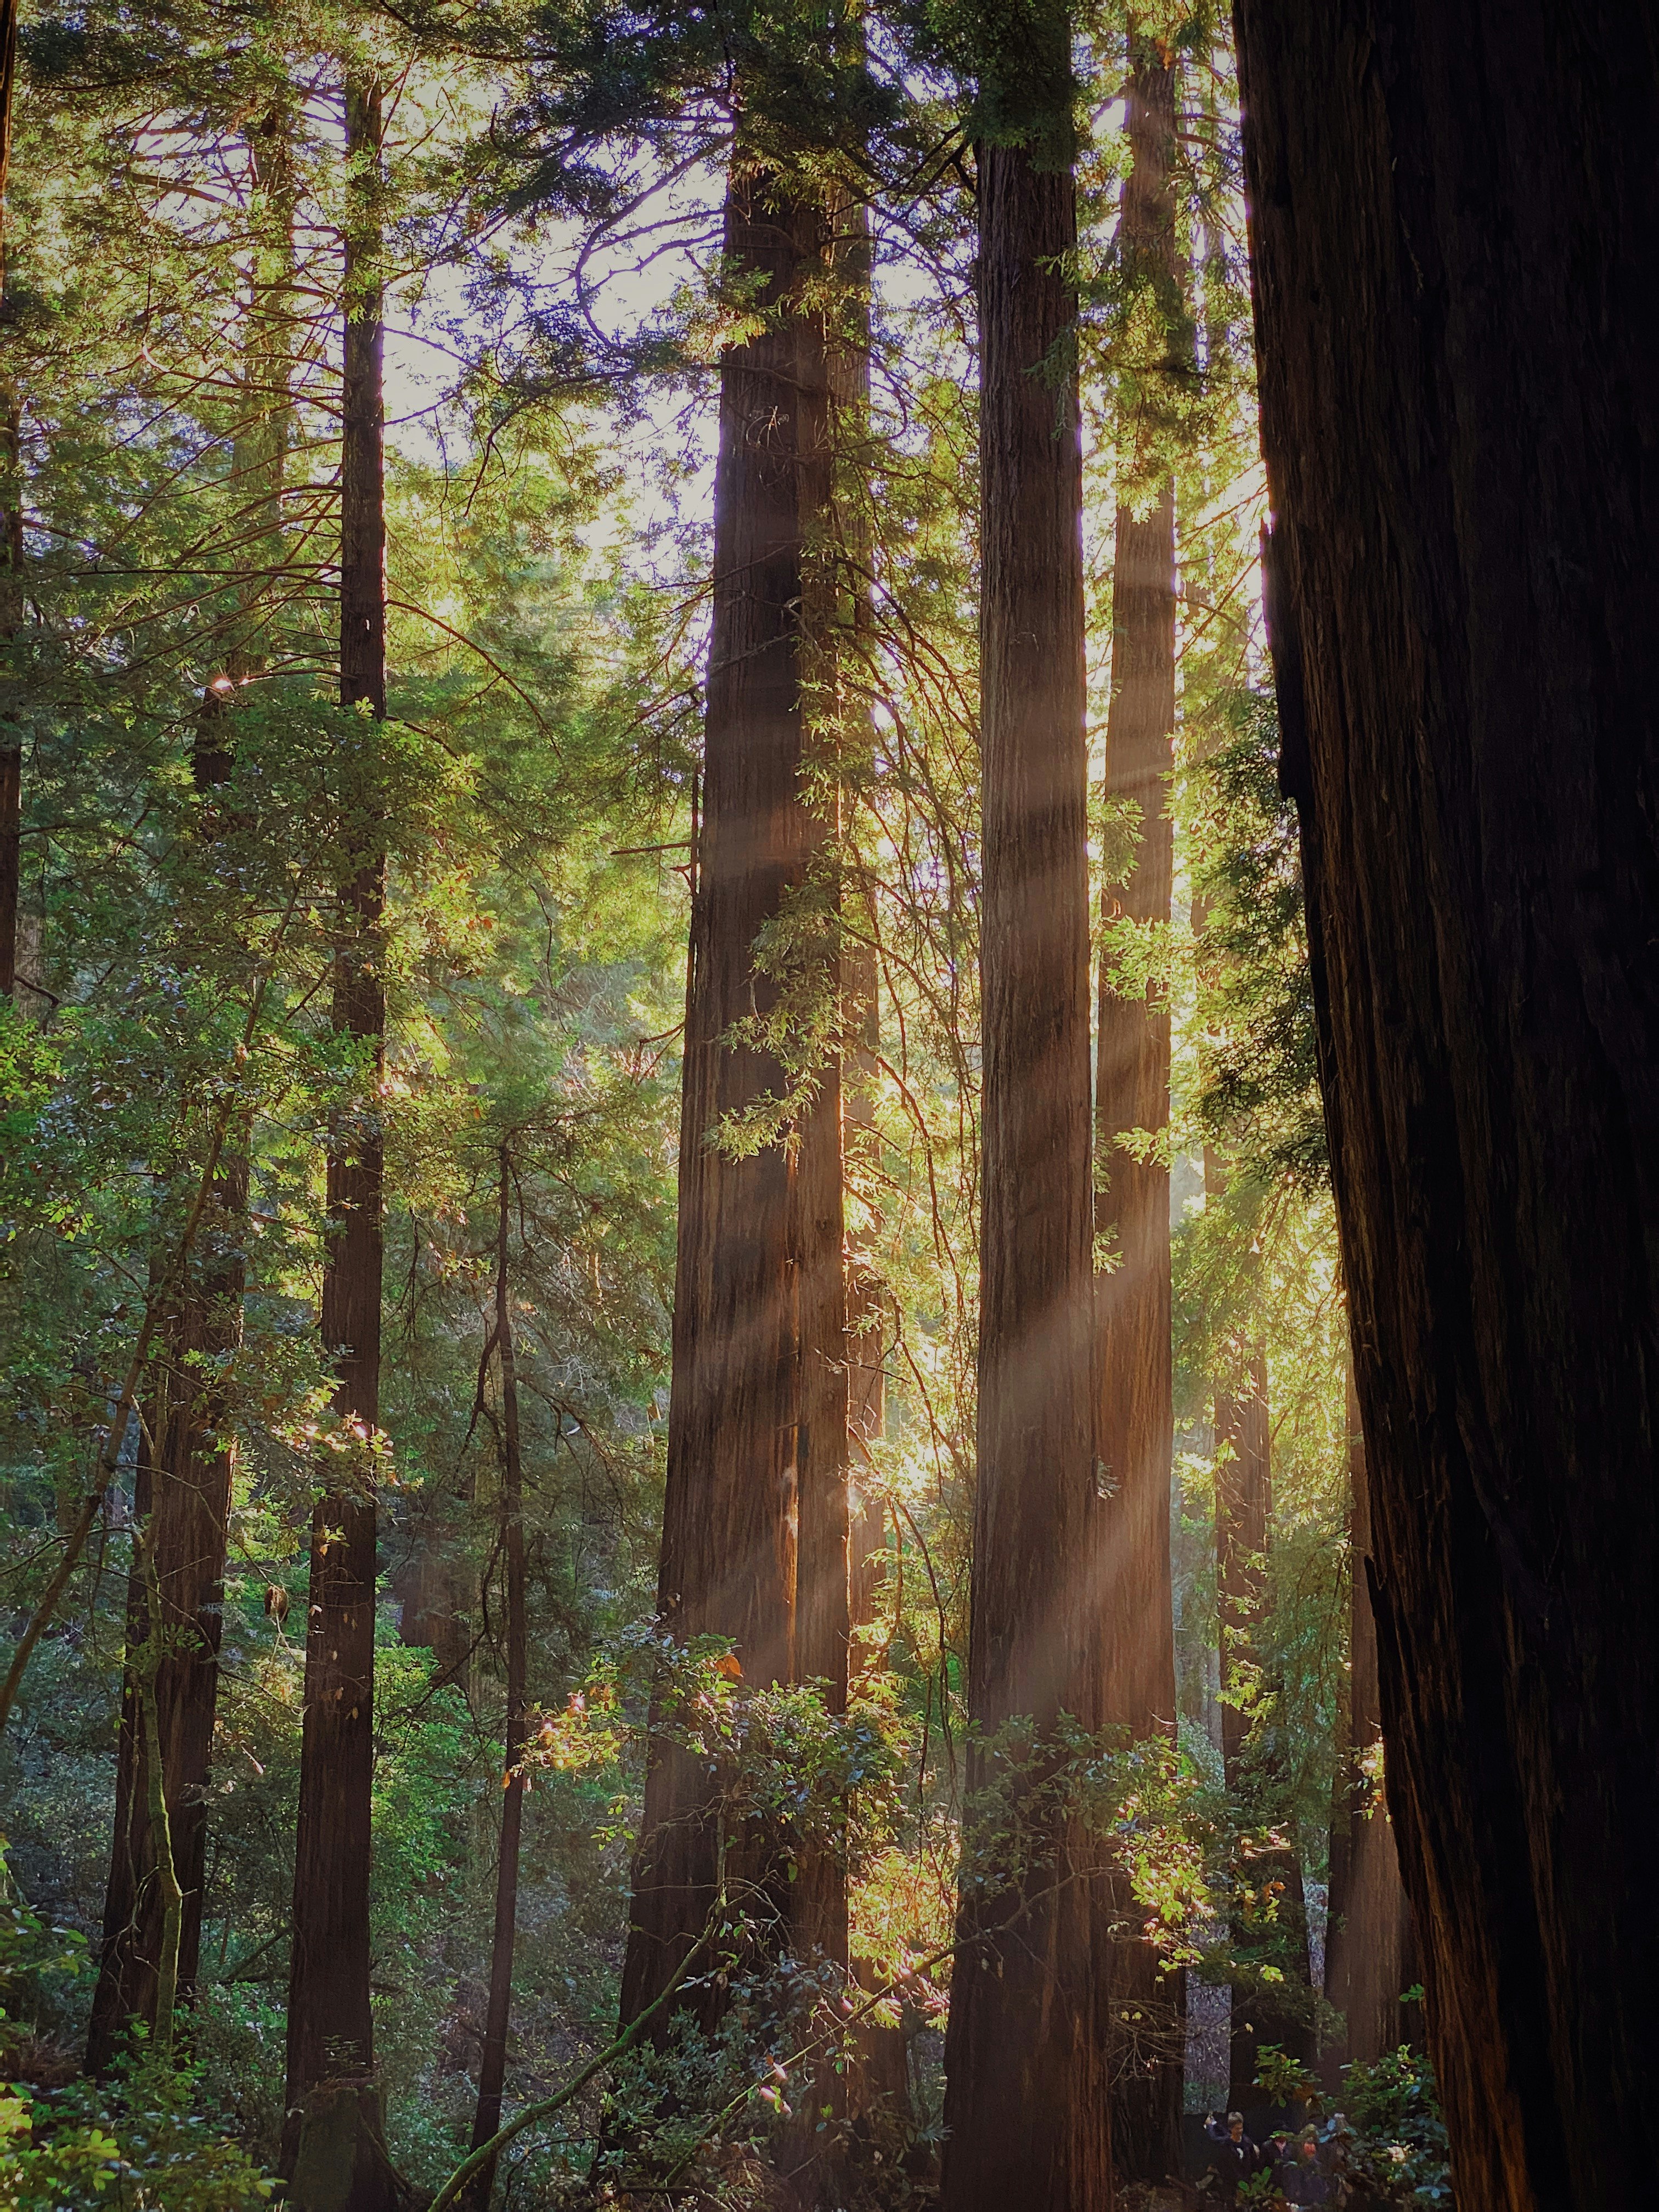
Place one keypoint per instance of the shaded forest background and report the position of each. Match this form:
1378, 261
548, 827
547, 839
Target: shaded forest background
273, 918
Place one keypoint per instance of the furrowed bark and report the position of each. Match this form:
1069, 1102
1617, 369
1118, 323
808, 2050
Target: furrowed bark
1027, 2093
492, 2071
1457, 313
183, 1502
755, 1446
333, 2151
1135, 1371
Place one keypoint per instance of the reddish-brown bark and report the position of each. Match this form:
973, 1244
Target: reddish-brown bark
756, 1446
183, 1499
1455, 257
1135, 1413
333, 2152
1027, 2104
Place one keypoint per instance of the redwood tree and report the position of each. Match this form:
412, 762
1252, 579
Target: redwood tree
333, 2148
758, 1409
1456, 249
182, 1502
1134, 1369
1026, 2099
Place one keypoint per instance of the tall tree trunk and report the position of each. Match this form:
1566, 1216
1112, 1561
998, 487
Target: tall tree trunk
1026, 2101
492, 2071
757, 1446
11, 550
333, 2147
183, 1505
1457, 313
1135, 1407
1370, 1950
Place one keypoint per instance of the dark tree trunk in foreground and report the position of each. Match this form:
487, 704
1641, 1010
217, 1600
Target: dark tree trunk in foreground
1274, 1924
1134, 1372
1456, 263
756, 1426
1371, 1950
492, 2071
1026, 2099
334, 2152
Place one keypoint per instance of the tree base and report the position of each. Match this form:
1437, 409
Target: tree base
342, 2164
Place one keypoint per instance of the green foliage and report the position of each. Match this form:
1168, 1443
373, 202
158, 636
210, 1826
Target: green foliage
1399, 2138
137, 2147
1261, 1093
139, 2144
1382, 2134
558, 301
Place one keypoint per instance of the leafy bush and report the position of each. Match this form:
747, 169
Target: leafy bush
1398, 2138
138, 2146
